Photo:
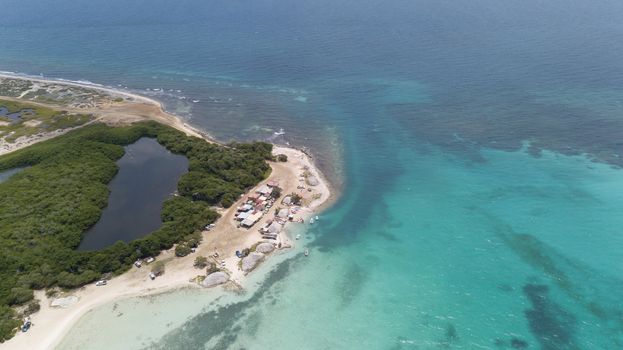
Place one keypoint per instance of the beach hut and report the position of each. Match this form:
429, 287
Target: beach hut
283, 213
273, 183
275, 227
265, 190
312, 181
245, 208
251, 220
243, 216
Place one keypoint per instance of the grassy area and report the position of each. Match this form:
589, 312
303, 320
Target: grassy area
41, 120
46, 208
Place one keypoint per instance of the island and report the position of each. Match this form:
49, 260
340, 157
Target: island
62, 145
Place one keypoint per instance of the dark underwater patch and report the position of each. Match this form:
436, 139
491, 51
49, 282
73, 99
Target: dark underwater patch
450, 337
550, 324
458, 123
351, 284
222, 326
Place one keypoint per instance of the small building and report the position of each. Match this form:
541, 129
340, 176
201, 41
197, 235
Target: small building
243, 216
283, 213
251, 219
275, 227
264, 190
273, 183
245, 207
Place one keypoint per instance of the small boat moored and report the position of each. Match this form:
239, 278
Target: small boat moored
306, 252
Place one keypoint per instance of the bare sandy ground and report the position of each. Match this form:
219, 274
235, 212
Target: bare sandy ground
132, 109
52, 323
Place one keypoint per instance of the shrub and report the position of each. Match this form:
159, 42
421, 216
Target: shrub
20, 295
8, 323
182, 249
201, 262
276, 193
282, 158
157, 268
212, 269
31, 308
296, 198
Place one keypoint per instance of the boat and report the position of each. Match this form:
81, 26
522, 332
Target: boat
306, 252
311, 221
317, 217
298, 236
280, 132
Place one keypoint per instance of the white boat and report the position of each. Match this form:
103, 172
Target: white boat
306, 252
317, 217
298, 237
311, 221
280, 132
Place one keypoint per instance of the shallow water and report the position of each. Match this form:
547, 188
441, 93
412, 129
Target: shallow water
148, 174
461, 223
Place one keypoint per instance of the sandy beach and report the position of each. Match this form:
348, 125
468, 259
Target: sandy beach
51, 323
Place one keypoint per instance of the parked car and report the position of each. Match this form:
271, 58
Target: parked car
152, 276
149, 260
138, 263
26, 325
101, 283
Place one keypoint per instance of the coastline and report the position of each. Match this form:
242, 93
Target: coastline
53, 323
133, 108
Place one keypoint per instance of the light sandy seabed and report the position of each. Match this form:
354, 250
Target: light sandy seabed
50, 324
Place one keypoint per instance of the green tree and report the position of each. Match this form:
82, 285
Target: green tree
182, 249
157, 268
201, 262
276, 193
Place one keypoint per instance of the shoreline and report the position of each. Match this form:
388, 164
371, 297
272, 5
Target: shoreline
51, 324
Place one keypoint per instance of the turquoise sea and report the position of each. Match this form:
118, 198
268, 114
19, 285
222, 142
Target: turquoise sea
476, 145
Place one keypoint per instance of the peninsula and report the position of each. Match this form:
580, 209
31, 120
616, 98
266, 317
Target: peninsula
61, 142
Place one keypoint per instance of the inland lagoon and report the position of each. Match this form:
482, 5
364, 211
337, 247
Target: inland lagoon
148, 174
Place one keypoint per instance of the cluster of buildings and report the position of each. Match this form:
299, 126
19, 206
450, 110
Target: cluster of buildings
257, 204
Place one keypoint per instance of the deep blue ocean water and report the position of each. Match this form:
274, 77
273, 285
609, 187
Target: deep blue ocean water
477, 145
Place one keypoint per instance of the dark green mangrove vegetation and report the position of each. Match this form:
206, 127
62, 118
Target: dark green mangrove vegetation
46, 208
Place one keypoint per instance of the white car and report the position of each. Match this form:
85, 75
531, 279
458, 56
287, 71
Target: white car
138, 263
149, 260
152, 276
100, 283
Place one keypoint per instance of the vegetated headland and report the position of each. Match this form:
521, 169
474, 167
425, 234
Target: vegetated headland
67, 138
